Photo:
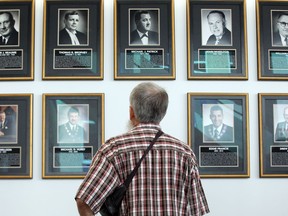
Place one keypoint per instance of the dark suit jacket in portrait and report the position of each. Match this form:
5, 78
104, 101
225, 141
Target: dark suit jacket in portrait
64, 37
13, 39
67, 135
136, 40
281, 133
226, 133
8, 127
277, 39
225, 40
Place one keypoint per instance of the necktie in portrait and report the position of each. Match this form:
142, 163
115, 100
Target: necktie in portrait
215, 134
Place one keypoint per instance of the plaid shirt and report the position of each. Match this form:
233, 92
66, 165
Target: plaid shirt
167, 181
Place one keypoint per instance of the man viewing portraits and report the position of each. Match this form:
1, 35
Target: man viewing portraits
279, 28
219, 127
8, 32
144, 27
71, 121
73, 27
281, 122
216, 27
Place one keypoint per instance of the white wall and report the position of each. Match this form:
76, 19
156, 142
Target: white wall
227, 197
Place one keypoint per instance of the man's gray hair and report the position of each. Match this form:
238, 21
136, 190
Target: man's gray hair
149, 102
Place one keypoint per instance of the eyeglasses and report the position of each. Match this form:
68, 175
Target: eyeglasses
283, 24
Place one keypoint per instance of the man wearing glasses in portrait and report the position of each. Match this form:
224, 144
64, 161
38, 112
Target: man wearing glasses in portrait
280, 37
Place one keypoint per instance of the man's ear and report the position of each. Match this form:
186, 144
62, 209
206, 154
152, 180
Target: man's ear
131, 113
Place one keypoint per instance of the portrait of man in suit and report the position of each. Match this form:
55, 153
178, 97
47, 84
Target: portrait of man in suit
70, 33
71, 131
9, 35
8, 123
220, 34
280, 29
281, 133
144, 27
217, 131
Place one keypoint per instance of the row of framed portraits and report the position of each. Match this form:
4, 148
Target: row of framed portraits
73, 131
73, 40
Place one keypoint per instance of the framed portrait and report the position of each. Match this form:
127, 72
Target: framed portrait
218, 132
273, 128
217, 40
144, 40
272, 19
73, 130
73, 40
17, 40
16, 136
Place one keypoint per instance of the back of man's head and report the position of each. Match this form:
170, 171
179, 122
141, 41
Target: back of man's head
149, 102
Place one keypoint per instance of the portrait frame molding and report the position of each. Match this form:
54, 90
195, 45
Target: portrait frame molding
233, 56
270, 54
144, 62
17, 151
70, 159
272, 147
73, 62
229, 155
22, 53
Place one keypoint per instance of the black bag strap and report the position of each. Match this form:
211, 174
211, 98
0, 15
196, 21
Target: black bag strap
132, 174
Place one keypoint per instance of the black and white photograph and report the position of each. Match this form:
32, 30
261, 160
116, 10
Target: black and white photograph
8, 123
217, 45
279, 28
218, 133
280, 122
73, 123
73, 40
218, 123
73, 130
9, 27
17, 40
216, 27
144, 40
16, 129
272, 40
73, 26
144, 26
273, 134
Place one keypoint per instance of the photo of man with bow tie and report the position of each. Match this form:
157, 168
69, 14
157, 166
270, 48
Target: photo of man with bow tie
146, 27
9, 35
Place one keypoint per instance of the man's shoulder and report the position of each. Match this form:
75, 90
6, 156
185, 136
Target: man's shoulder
281, 123
154, 33
228, 127
80, 33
